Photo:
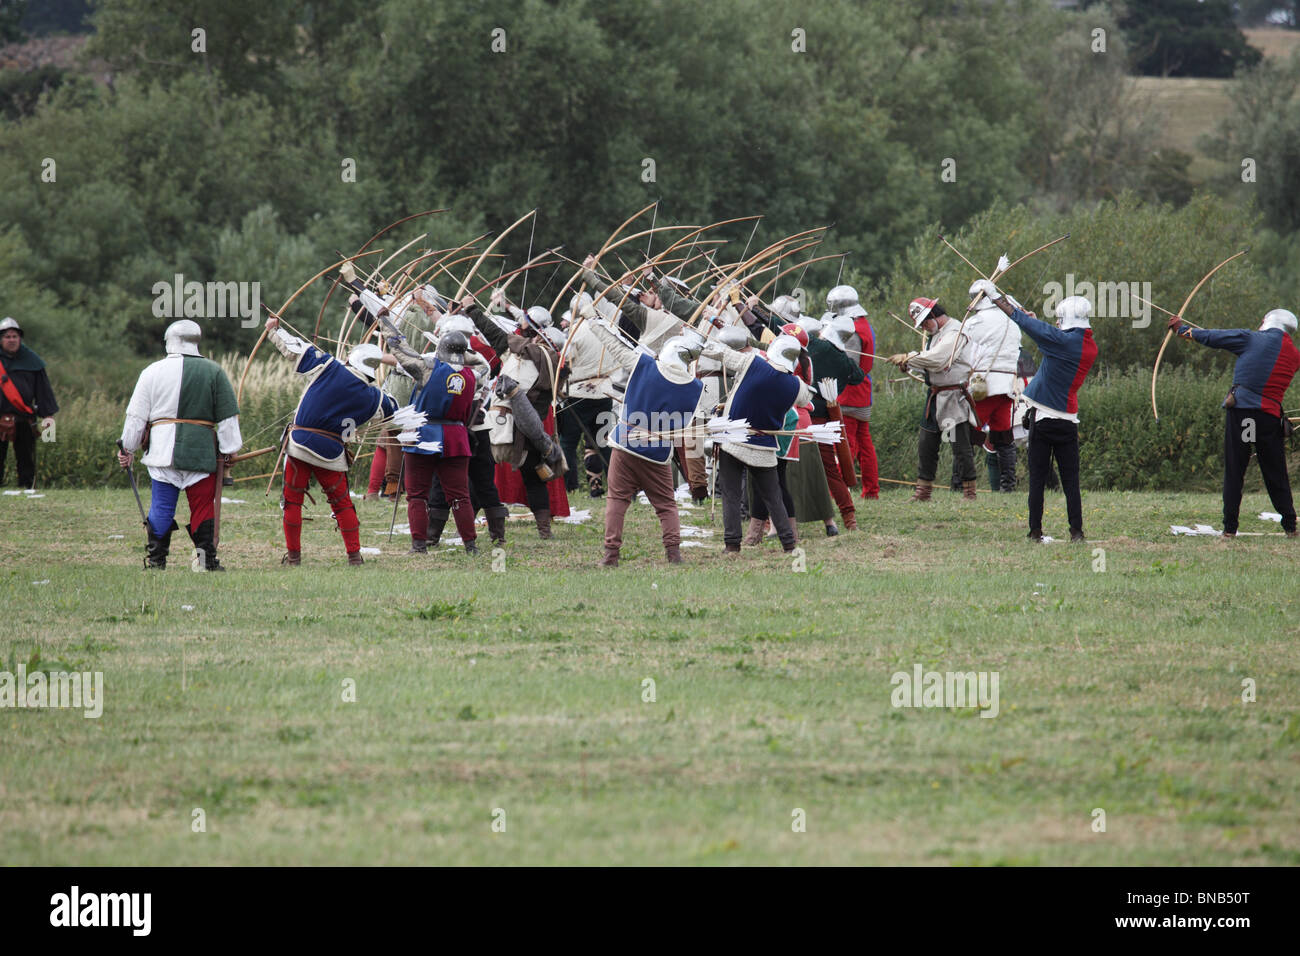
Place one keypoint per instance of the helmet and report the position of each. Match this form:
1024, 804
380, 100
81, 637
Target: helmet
566, 318
455, 322
787, 307
1282, 319
810, 325
555, 336
539, 317
452, 346
675, 357
843, 300
791, 329
1073, 312
364, 359
693, 339
182, 338
783, 353
838, 331
919, 309
10, 323
734, 337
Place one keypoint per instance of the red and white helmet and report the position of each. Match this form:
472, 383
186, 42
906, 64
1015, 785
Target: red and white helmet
794, 330
919, 309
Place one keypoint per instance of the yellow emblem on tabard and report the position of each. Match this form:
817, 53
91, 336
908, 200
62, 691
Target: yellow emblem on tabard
455, 384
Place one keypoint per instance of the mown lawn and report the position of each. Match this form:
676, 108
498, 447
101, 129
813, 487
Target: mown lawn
523, 691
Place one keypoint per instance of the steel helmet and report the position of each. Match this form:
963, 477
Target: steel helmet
452, 346
786, 307
365, 359
843, 300
674, 359
838, 331
539, 317
783, 353
11, 323
734, 337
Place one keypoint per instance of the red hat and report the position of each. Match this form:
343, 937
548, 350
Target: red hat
791, 329
919, 310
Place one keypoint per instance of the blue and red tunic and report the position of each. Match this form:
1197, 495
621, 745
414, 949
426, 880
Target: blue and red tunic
1068, 354
1266, 363
447, 398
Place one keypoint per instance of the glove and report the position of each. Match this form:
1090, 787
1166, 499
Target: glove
348, 272
987, 288
898, 358
1176, 324
712, 350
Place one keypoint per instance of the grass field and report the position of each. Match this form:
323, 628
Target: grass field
523, 692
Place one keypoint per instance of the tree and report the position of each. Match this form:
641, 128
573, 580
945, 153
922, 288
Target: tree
1185, 38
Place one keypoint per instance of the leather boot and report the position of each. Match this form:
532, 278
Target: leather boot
354, 558
923, 490
755, 533
155, 555
496, 522
968, 490
418, 547
471, 547
1007, 468
203, 540
674, 554
543, 519
850, 522
610, 560
292, 559
437, 521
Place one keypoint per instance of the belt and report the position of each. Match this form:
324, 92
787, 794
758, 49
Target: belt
316, 431
182, 421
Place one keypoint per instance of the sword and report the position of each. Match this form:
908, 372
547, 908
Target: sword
126, 468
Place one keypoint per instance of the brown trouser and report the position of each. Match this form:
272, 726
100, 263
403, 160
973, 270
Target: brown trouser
629, 474
693, 457
841, 490
393, 461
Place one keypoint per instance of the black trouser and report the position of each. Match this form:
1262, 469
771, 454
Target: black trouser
24, 451
482, 477
1048, 438
763, 482
927, 447
579, 414
759, 510
1269, 447
539, 499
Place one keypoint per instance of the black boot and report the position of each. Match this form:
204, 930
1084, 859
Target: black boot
543, 519
1007, 468
155, 554
437, 521
203, 540
496, 523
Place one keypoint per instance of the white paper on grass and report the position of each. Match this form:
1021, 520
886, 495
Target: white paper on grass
371, 551
397, 529
1269, 516
692, 531
577, 517
233, 501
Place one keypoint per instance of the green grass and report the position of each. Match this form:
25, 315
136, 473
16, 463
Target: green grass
522, 690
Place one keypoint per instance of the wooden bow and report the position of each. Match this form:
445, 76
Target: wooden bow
1155, 370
